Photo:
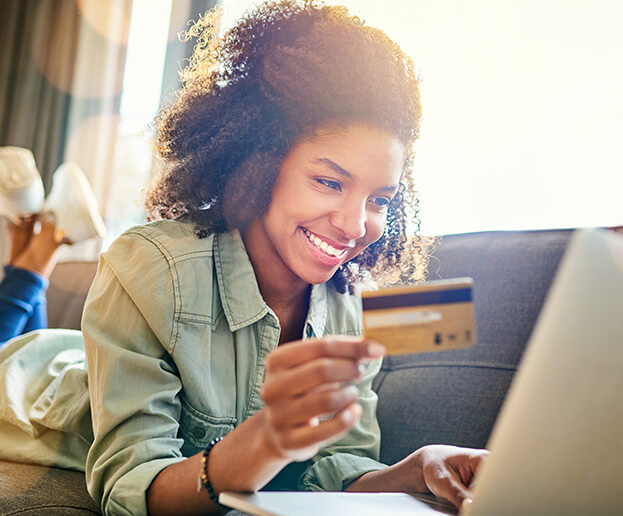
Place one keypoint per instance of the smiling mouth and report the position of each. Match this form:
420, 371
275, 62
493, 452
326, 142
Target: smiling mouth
324, 246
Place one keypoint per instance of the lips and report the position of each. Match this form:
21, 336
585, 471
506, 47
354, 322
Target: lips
324, 245
330, 255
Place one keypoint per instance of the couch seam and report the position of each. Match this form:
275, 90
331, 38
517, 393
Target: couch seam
381, 375
502, 367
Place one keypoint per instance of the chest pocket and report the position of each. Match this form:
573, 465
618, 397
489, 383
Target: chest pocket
197, 429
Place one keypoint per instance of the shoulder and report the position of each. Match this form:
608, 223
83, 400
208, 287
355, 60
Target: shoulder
172, 239
156, 248
166, 271
162, 259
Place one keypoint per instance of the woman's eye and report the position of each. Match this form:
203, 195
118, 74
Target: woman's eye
333, 185
381, 202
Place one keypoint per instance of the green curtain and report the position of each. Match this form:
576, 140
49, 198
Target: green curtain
61, 62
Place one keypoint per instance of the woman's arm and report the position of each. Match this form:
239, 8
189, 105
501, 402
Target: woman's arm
242, 461
134, 390
300, 385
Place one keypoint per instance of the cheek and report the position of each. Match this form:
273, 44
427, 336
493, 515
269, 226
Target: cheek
375, 227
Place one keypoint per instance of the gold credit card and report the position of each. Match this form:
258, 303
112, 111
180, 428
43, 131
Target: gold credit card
434, 316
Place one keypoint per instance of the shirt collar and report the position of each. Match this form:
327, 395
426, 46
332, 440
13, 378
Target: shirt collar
240, 295
242, 301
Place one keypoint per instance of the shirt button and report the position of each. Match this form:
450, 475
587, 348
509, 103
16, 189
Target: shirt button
199, 432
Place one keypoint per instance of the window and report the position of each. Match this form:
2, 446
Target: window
522, 111
142, 80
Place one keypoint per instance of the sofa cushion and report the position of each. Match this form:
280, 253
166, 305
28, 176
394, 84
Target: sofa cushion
454, 397
26, 489
69, 285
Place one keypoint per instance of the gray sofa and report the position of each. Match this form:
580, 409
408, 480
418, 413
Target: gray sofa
448, 397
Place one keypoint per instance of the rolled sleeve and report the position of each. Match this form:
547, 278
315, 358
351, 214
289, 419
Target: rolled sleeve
357, 453
134, 385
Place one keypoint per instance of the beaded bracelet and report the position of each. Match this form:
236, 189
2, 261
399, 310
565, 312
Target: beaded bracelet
204, 481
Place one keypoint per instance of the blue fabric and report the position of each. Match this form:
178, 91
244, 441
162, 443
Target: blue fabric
22, 303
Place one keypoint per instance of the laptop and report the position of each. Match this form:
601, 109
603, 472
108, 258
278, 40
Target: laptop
557, 446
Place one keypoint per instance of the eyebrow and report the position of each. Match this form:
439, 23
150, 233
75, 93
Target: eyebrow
334, 166
342, 171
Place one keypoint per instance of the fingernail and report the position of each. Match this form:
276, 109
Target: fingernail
351, 413
466, 503
376, 350
352, 391
362, 370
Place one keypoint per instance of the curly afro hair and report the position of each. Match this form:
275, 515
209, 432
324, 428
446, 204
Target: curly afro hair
285, 70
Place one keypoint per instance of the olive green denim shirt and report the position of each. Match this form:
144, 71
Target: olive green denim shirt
176, 336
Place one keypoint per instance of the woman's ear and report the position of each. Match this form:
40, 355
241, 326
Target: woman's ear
248, 191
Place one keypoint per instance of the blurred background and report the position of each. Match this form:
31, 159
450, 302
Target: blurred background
523, 110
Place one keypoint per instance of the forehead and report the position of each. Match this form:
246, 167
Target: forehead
359, 149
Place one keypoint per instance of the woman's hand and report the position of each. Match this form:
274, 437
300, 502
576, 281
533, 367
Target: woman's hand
445, 471
448, 471
306, 380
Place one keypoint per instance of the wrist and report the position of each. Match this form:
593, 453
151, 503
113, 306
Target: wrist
266, 442
392, 479
204, 478
412, 472
248, 468
406, 476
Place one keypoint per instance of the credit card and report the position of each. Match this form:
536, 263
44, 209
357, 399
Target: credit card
434, 316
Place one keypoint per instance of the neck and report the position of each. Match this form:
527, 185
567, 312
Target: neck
281, 289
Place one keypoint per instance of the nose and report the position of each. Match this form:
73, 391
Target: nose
350, 220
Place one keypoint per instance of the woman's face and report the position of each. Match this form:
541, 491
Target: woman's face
330, 201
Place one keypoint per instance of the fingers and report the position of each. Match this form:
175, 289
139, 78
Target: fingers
478, 459
300, 411
301, 366
319, 434
468, 465
304, 381
448, 485
308, 376
299, 352
449, 471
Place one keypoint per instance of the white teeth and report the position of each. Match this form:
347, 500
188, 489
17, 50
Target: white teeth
321, 244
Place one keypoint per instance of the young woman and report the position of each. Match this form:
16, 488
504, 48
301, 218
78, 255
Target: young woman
288, 179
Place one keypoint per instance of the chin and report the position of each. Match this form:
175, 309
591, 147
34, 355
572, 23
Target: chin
317, 278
